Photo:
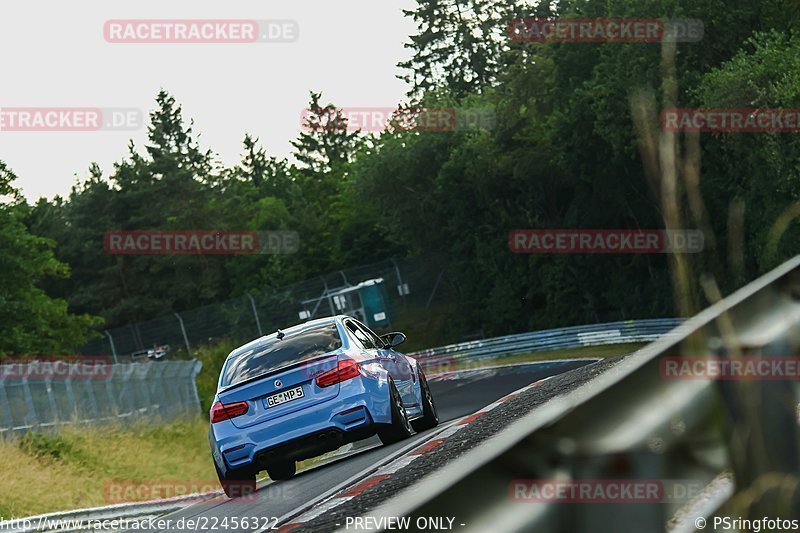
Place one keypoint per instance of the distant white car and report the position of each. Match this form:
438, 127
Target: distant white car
159, 352
156, 353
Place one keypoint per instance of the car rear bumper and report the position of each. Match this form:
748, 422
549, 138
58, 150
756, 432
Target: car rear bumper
352, 415
313, 444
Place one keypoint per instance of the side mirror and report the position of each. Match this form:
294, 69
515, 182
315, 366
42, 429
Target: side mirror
393, 339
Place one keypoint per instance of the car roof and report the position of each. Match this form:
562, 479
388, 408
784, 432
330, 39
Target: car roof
292, 330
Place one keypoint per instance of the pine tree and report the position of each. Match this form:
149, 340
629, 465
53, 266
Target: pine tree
457, 46
268, 174
326, 145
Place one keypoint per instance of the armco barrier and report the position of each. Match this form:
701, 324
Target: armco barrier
167, 388
628, 331
736, 439
164, 389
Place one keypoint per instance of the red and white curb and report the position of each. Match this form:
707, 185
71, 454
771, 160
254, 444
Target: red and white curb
390, 469
483, 371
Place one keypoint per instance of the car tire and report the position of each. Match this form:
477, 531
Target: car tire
400, 427
237, 483
430, 417
282, 470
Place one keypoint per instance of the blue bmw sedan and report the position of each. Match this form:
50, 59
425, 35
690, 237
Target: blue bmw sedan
308, 390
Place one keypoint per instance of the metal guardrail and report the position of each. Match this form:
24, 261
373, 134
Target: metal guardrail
82, 519
123, 392
628, 331
738, 439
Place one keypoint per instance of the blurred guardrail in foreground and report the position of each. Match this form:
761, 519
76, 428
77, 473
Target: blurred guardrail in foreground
737, 439
628, 331
46, 394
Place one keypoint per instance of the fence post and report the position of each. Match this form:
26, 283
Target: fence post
125, 390
156, 385
113, 348
90, 395
4, 404
30, 416
433, 292
255, 314
51, 398
198, 366
327, 297
112, 400
402, 288
142, 378
185, 337
74, 408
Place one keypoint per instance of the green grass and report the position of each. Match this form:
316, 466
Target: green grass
91, 467
77, 467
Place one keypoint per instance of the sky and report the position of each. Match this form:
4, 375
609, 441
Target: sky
56, 56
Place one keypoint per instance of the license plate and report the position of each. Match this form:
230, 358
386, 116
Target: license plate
285, 396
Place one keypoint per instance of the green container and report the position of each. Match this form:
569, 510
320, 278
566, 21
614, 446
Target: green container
375, 303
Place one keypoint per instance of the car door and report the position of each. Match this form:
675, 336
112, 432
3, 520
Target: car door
396, 364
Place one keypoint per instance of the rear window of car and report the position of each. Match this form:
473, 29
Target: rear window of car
276, 353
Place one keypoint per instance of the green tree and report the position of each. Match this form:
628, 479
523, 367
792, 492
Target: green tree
760, 171
31, 322
323, 152
457, 47
326, 145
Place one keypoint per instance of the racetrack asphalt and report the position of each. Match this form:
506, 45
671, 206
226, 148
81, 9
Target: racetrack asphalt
455, 397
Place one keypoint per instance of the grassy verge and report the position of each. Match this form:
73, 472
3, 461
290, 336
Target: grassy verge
76, 468
104, 466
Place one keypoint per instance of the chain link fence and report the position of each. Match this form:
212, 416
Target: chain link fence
122, 392
386, 295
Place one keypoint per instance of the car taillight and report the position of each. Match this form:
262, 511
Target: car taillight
220, 412
346, 369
